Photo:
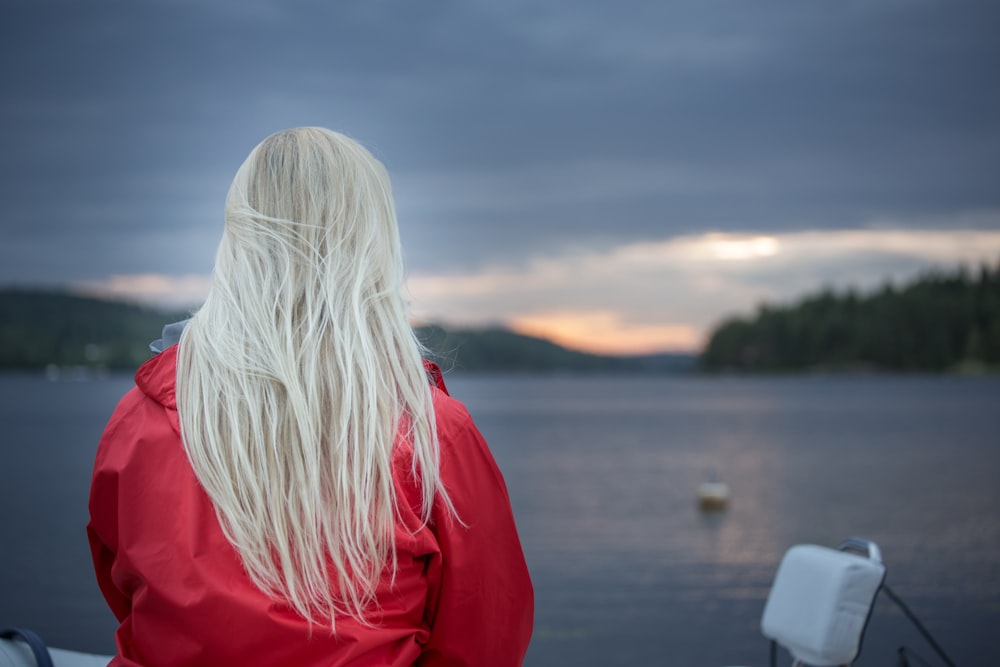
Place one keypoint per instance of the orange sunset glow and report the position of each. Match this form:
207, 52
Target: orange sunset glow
606, 333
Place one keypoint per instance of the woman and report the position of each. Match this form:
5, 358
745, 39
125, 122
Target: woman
290, 484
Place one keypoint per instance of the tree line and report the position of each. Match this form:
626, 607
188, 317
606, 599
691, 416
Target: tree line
944, 320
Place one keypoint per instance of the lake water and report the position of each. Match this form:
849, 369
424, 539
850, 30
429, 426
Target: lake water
602, 474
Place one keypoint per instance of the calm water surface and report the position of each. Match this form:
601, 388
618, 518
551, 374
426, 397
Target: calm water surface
602, 475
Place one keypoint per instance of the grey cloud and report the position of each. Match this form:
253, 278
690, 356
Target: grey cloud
772, 116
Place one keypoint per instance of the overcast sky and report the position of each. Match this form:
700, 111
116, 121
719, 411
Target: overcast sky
618, 175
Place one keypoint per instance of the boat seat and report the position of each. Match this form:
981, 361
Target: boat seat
821, 600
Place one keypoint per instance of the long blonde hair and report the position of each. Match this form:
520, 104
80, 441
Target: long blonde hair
300, 374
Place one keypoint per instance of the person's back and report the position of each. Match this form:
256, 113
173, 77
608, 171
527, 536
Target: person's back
325, 505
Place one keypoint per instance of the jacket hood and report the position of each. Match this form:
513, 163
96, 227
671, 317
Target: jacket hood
157, 378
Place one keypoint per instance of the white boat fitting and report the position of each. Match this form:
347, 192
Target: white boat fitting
821, 601
22, 648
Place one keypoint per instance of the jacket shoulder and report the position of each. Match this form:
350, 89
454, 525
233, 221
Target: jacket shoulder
449, 412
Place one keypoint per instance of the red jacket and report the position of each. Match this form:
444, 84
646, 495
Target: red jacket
462, 595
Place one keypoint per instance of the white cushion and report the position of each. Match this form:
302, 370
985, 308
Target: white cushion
819, 603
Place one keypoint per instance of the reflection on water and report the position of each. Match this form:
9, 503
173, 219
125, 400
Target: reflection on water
603, 475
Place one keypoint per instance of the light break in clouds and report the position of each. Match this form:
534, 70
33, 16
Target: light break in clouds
650, 296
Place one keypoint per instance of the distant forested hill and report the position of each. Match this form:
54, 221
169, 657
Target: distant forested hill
38, 328
41, 328
498, 349
942, 321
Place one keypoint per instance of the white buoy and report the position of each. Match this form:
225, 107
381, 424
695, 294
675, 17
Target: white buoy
713, 496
